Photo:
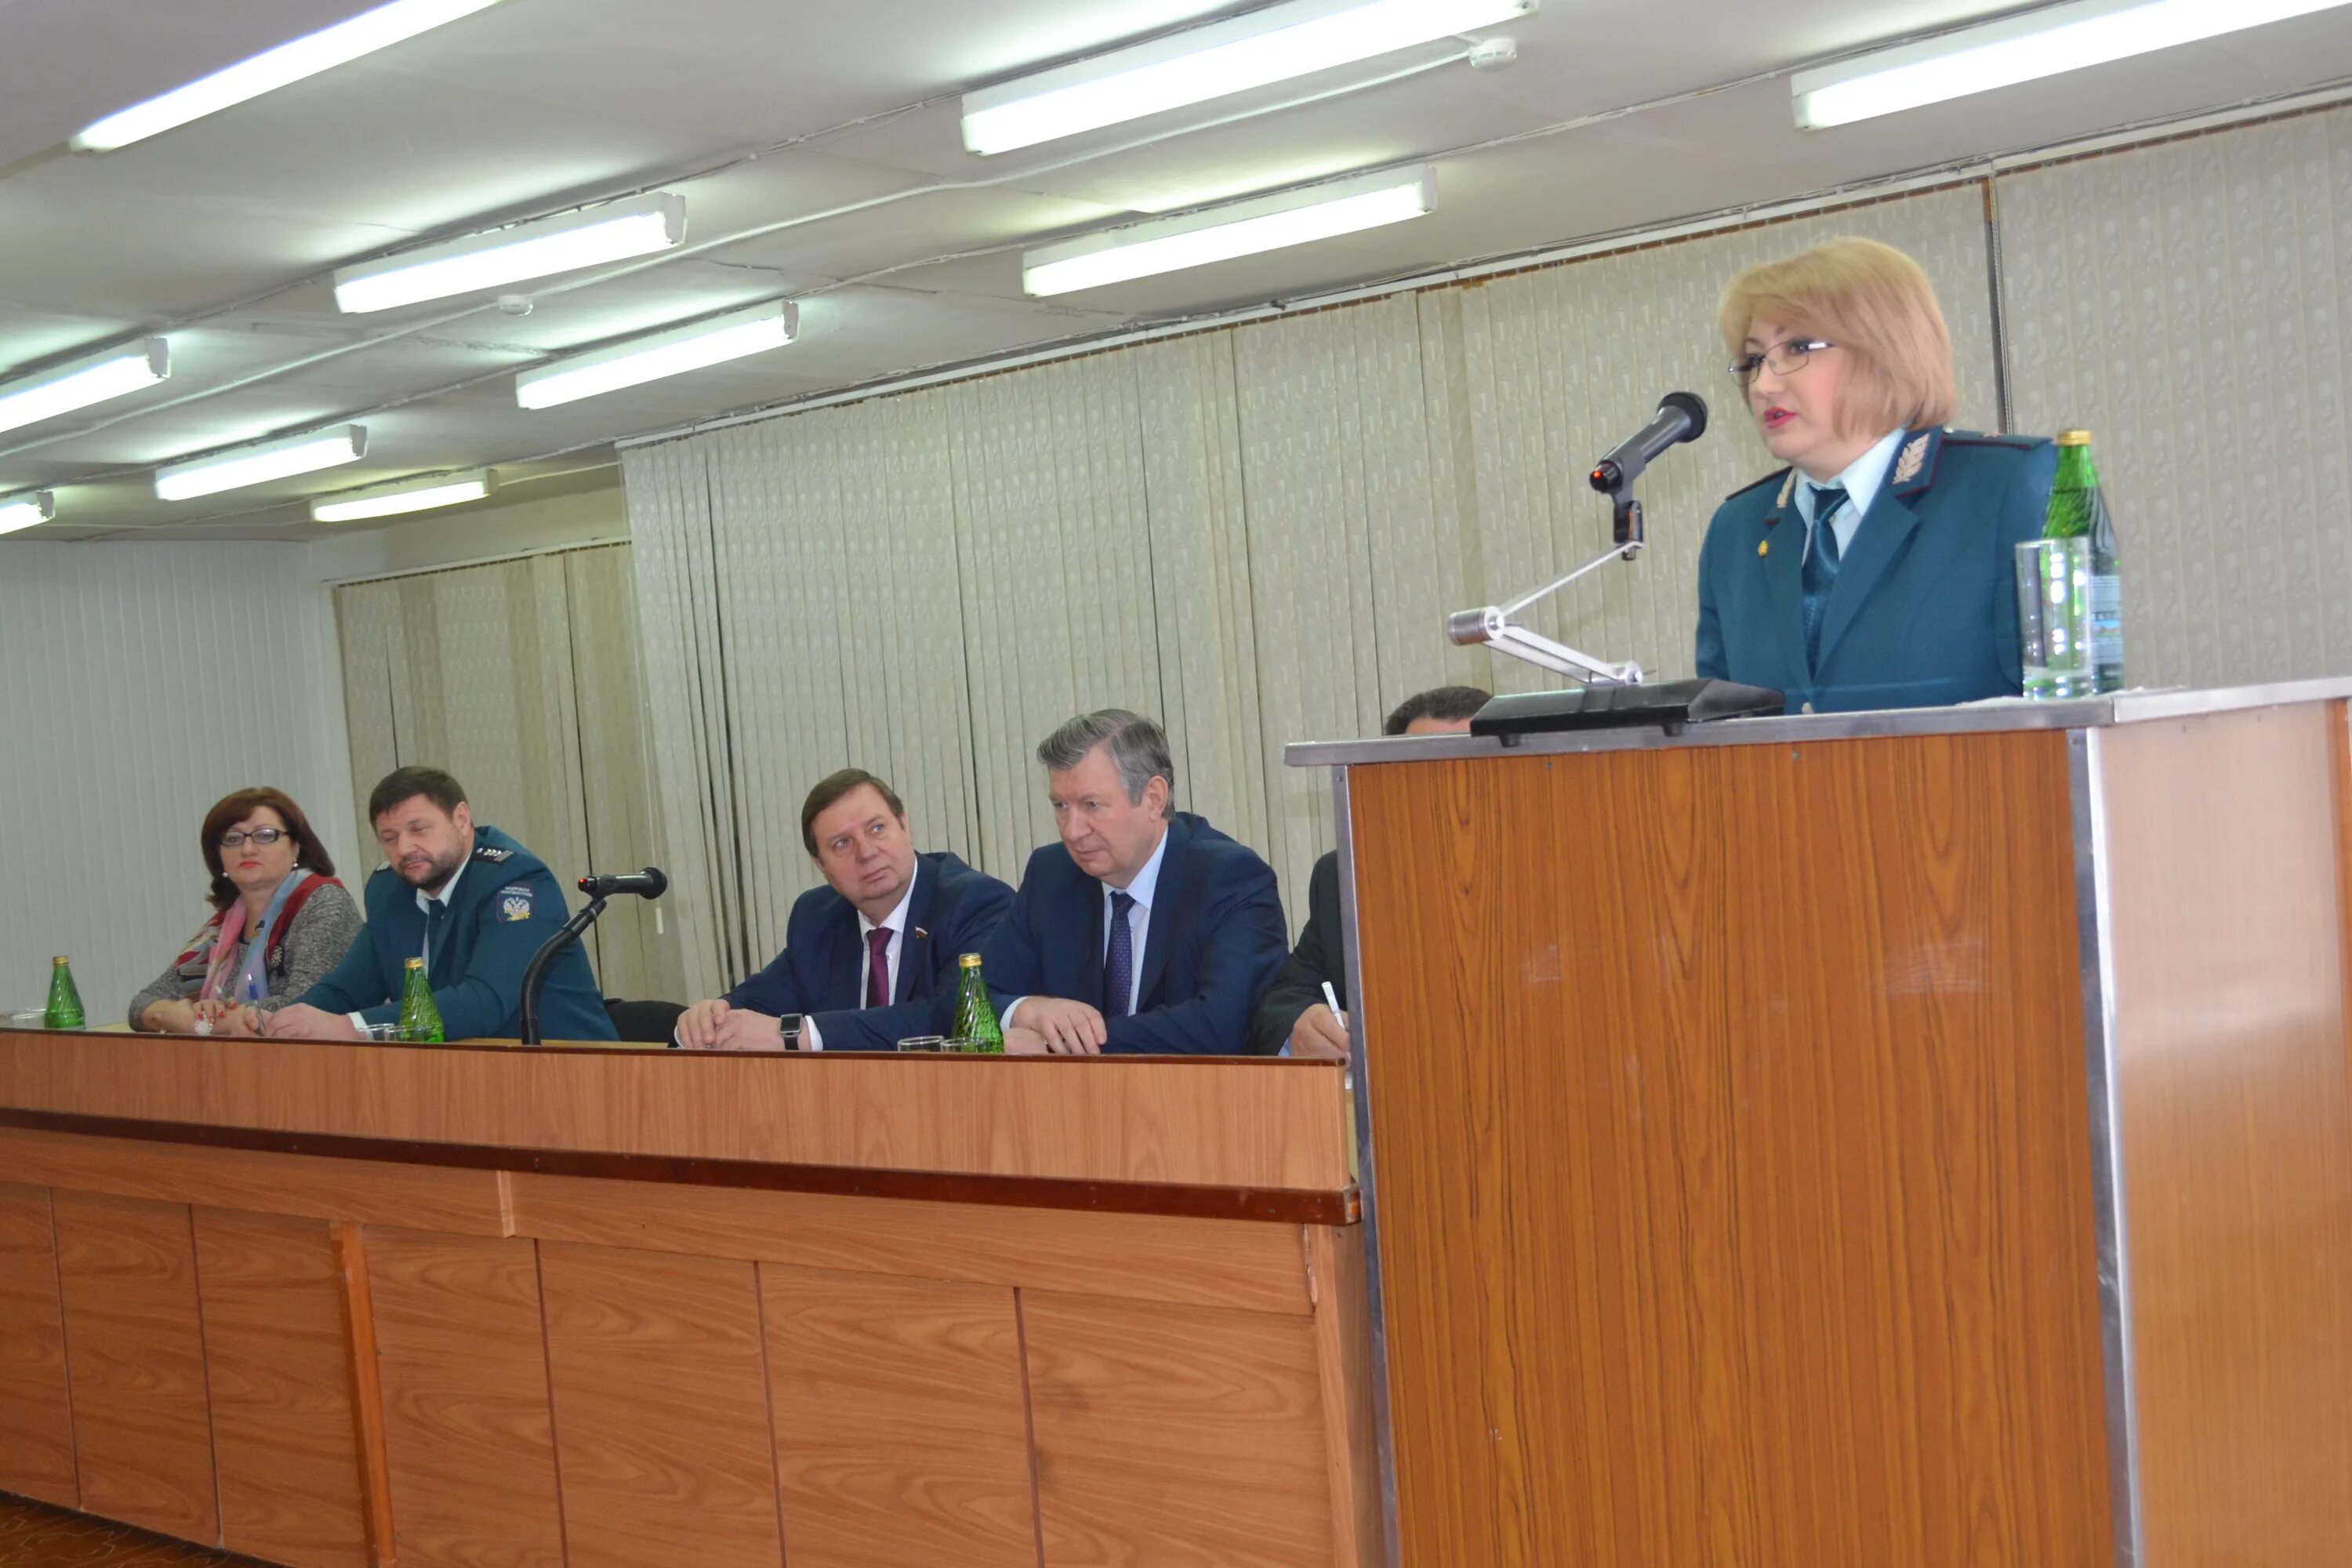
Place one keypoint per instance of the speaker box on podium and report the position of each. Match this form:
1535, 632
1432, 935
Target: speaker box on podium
1886, 1141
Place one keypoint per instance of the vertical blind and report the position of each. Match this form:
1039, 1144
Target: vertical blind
519, 679
1255, 532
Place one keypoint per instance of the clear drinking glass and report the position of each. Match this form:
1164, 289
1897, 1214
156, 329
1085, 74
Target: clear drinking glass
2053, 617
923, 1043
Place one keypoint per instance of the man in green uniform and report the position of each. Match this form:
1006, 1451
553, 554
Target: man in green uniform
469, 901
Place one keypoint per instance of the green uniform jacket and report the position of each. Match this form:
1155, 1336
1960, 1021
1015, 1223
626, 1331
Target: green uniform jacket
505, 903
1924, 612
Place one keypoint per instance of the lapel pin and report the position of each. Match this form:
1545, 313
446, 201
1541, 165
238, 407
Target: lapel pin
1763, 547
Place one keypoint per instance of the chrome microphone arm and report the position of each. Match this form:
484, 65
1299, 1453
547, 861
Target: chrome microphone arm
1492, 625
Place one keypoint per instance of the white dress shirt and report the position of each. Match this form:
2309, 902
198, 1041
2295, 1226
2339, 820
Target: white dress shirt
895, 922
1863, 478
426, 901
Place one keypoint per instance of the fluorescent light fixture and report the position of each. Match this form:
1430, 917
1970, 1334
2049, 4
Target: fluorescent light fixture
27, 511
273, 69
565, 243
2021, 48
711, 341
1242, 228
258, 464
408, 495
1202, 63
87, 381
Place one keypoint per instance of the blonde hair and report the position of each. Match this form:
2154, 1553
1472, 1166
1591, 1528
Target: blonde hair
1874, 303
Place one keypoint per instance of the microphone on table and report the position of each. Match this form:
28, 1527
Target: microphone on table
649, 883
1681, 417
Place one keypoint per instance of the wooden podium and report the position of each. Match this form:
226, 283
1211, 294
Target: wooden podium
1890, 1140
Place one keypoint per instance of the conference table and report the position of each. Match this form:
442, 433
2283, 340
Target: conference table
477, 1304
1869, 1141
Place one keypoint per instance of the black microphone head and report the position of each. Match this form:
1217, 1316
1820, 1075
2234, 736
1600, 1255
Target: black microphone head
1693, 406
656, 882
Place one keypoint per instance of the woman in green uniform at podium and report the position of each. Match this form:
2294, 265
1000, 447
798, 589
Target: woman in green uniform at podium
1876, 568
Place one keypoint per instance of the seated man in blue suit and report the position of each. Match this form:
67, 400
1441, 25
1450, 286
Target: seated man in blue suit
865, 956
1145, 930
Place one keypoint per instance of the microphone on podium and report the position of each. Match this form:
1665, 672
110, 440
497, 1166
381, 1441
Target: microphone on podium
649, 883
1681, 417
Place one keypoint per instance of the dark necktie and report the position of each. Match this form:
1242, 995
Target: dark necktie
1821, 566
436, 914
877, 967
1119, 969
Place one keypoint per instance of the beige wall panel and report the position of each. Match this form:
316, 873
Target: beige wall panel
467, 1433
1176, 1437
661, 1410
2186, 303
37, 1442
901, 1423
277, 1363
135, 1349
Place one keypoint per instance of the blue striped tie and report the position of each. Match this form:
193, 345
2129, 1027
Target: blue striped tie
1821, 566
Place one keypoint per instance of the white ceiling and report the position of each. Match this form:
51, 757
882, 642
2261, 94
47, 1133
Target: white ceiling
223, 231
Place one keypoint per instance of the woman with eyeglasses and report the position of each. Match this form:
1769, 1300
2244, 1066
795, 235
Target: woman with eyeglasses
1877, 568
280, 922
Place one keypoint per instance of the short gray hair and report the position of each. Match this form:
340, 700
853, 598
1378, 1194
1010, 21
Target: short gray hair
1139, 749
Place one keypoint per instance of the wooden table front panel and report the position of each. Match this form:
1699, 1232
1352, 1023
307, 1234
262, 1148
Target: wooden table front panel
1730, 1122
277, 1366
142, 1426
36, 1446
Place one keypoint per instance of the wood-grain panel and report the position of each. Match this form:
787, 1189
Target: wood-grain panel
901, 1423
1730, 1113
1177, 1437
284, 1437
366, 1380
468, 1436
1249, 1123
421, 1197
37, 1447
1343, 1358
134, 1348
2223, 854
1148, 1256
661, 1409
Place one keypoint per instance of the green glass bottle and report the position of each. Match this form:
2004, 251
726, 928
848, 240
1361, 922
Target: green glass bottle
975, 1014
420, 1019
64, 1011
2078, 509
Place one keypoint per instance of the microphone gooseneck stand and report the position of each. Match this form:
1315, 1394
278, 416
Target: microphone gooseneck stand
535, 976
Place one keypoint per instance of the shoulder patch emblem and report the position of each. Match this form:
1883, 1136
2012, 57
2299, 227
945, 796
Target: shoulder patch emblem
1915, 453
514, 902
493, 854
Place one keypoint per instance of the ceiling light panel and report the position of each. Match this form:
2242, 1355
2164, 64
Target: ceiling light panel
407, 496
27, 511
1203, 63
2044, 43
711, 341
616, 232
49, 392
273, 69
1240, 229
260, 463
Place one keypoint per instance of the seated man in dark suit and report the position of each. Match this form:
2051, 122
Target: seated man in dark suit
865, 955
1145, 930
1293, 1013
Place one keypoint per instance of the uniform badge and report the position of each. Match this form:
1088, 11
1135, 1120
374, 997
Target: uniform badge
1915, 453
493, 854
1763, 547
514, 903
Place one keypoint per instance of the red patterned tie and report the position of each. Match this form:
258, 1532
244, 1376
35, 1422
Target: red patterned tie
878, 968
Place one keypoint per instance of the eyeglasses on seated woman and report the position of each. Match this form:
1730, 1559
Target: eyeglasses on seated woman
279, 922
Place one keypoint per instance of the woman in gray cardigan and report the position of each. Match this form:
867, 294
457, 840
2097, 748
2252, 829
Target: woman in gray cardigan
279, 922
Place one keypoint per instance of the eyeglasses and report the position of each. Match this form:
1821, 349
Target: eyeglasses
264, 836
1781, 359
